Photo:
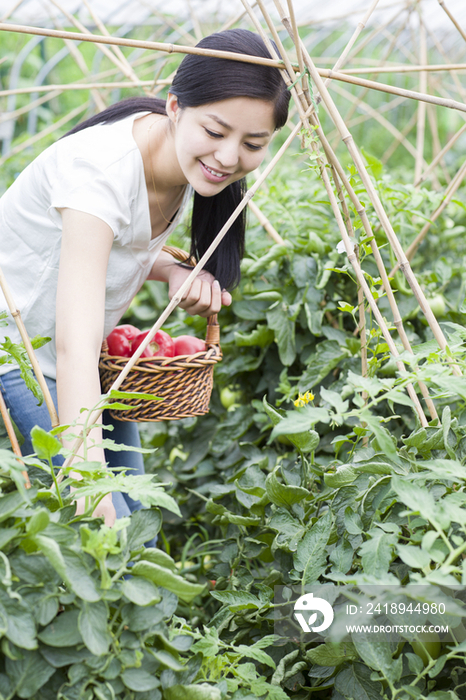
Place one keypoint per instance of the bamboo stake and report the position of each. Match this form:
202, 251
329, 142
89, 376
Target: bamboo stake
430, 68
231, 22
150, 45
386, 123
79, 25
374, 197
299, 54
390, 89
440, 155
359, 28
421, 110
195, 21
11, 10
436, 146
30, 350
94, 417
243, 58
45, 132
129, 72
10, 116
409, 126
83, 86
449, 193
447, 12
265, 223
334, 163
171, 23
12, 436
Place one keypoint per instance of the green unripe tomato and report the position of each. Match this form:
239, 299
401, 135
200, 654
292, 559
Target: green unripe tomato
229, 396
438, 305
430, 647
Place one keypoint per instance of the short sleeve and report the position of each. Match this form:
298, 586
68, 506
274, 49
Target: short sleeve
82, 185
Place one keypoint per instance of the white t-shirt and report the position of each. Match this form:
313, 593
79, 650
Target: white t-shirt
98, 170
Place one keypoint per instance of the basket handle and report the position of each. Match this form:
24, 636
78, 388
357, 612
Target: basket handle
213, 329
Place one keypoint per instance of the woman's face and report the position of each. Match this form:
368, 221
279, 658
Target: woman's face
219, 143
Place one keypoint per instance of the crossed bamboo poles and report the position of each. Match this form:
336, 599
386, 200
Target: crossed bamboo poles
296, 76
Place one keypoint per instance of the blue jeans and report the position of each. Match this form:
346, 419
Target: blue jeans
26, 414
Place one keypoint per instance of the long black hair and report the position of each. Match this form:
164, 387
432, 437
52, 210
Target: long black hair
203, 80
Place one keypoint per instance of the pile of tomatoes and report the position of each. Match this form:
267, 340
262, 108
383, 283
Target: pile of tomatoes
124, 341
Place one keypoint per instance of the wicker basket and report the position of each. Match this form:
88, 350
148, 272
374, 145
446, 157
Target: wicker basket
184, 383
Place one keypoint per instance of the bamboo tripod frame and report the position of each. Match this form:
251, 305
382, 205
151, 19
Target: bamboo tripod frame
341, 194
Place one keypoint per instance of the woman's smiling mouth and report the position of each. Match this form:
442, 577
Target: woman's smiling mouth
213, 175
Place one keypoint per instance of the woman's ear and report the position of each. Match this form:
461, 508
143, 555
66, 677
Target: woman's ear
173, 108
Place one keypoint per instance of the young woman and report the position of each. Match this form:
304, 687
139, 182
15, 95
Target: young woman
84, 225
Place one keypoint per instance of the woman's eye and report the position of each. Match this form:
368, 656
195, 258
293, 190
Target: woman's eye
214, 134
253, 147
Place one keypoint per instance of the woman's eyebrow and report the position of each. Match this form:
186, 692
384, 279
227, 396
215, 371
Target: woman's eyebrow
258, 135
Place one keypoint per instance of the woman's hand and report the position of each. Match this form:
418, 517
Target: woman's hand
203, 298
105, 508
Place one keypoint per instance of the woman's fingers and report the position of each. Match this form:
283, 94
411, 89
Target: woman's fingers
203, 299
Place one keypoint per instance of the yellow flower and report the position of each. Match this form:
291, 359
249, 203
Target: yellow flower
303, 399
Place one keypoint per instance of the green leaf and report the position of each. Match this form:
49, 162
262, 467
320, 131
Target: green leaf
65, 656
9, 503
344, 475
376, 552
158, 556
311, 554
139, 680
284, 328
21, 626
70, 566
93, 625
414, 557
237, 600
144, 526
140, 591
29, 673
282, 494
342, 557
276, 252
416, 497
203, 691
63, 631
45, 445
332, 654
354, 683
166, 579
328, 355
300, 421
38, 522
255, 653
374, 164
140, 488
260, 336
383, 436
375, 652
7, 534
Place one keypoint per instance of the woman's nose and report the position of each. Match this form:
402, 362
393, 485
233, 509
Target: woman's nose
227, 154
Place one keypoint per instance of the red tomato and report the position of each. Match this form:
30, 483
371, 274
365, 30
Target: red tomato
188, 345
161, 345
119, 340
128, 331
